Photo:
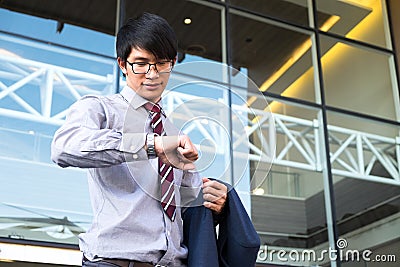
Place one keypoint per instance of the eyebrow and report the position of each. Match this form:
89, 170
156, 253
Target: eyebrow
141, 58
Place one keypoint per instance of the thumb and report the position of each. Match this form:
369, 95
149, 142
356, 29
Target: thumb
205, 180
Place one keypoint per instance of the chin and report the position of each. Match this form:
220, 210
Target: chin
152, 98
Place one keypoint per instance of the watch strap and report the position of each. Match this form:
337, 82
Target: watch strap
151, 151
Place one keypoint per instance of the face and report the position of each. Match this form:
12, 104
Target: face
151, 85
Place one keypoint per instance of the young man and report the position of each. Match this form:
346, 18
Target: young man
131, 150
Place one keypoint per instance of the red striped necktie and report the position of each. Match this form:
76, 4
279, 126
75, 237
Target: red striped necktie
165, 171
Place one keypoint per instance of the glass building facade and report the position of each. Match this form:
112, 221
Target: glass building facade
295, 102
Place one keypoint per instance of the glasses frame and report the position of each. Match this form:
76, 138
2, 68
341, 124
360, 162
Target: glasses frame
152, 64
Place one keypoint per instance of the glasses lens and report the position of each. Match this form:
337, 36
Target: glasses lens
140, 68
164, 66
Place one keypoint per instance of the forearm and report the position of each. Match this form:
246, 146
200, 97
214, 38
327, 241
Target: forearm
89, 148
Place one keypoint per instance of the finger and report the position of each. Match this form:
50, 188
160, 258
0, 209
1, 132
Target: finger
182, 158
214, 195
214, 199
214, 192
212, 206
214, 184
187, 146
185, 142
214, 188
188, 153
205, 180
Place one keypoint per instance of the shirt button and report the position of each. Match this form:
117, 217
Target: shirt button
132, 148
135, 156
168, 232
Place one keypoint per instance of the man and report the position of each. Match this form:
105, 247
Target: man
121, 140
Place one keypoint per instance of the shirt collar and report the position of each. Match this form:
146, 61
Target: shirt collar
134, 99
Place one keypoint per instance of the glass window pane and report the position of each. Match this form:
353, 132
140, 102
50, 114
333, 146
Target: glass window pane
394, 9
365, 168
63, 34
42, 202
288, 207
362, 20
277, 60
38, 82
290, 214
198, 27
374, 208
294, 11
358, 79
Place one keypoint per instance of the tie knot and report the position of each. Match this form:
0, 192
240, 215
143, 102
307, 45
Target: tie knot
152, 107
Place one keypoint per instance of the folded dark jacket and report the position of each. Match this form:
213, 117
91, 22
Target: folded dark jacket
238, 242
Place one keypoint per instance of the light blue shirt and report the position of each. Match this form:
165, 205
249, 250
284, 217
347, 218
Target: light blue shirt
106, 134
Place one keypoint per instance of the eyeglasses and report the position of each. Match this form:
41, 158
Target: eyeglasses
144, 67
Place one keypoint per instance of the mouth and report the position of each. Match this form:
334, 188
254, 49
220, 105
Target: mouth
152, 86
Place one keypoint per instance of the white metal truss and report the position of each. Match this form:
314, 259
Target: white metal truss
358, 152
353, 153
16, 73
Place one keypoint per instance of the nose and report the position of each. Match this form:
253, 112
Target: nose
152, 73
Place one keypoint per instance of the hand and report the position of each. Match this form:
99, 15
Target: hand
177, 151
214, 194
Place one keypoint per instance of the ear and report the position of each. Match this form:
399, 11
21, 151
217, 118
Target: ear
122, 65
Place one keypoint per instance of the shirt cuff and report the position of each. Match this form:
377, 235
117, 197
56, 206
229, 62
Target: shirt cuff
133, 146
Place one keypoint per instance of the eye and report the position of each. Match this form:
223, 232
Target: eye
141, 64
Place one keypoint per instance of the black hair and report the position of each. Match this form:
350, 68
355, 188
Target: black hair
149, 32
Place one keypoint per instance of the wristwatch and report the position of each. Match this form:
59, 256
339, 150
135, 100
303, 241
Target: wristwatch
151, 151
